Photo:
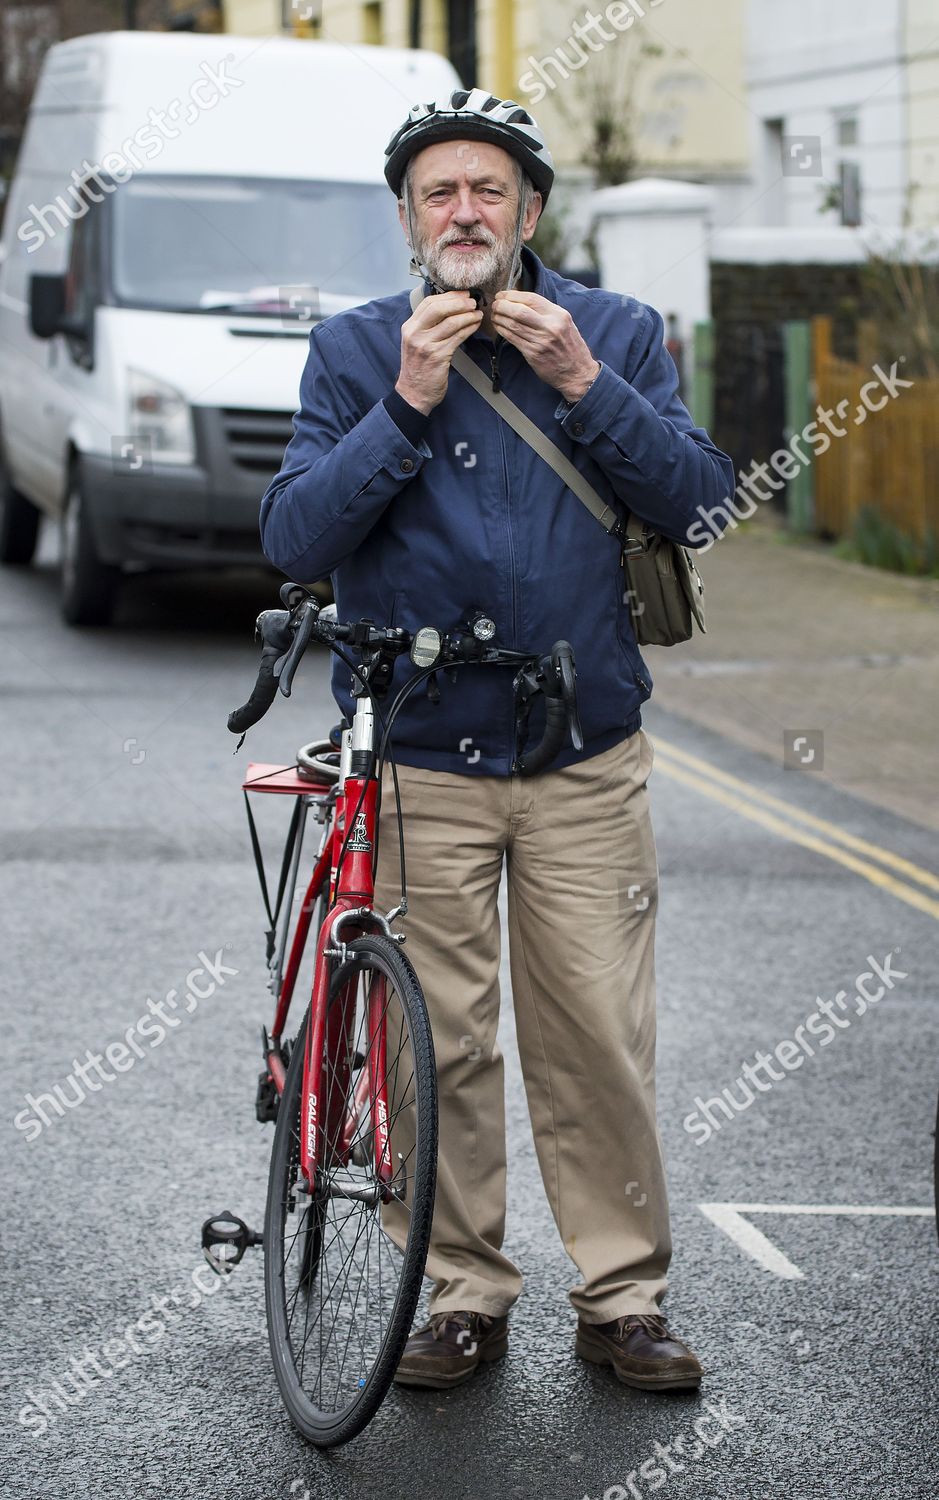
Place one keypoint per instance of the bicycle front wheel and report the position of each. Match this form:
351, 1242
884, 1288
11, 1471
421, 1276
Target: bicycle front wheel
343, 1264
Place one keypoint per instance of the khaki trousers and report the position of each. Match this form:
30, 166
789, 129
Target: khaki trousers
581, 866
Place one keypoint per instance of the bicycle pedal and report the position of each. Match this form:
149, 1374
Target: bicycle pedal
267, 1099
225, 1238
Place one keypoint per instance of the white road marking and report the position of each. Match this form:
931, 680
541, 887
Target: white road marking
729, 1218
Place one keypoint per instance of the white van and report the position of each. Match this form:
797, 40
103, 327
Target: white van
184, 207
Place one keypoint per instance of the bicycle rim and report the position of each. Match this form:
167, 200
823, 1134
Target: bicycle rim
341, 1293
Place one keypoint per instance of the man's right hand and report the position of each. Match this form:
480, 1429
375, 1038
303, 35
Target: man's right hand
432, 333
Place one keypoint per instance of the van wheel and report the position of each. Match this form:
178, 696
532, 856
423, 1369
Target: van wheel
19, 524
89, 586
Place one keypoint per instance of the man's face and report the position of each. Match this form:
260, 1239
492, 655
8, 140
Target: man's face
464, 202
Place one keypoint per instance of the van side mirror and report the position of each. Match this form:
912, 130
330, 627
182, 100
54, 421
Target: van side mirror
46, 304
47, 308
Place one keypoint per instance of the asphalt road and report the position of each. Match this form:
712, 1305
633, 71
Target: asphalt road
126, 857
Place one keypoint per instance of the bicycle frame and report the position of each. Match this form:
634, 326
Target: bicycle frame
346, 879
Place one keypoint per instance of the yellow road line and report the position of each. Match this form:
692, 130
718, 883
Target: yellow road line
839, 835
776, 825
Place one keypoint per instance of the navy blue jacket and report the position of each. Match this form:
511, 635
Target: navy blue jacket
418, 523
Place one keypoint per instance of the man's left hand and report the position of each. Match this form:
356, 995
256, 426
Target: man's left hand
549, 339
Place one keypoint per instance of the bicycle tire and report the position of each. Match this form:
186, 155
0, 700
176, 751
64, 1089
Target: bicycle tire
320, 1425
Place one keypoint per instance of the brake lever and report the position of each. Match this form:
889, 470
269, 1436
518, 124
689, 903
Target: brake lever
286, 665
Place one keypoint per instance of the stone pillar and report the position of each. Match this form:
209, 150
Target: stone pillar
652, 239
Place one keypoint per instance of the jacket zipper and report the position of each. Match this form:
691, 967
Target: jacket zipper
512, 557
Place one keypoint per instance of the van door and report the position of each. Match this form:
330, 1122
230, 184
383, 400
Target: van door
25, 360
68, 389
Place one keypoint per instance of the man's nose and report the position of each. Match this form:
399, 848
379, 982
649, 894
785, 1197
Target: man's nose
465, 212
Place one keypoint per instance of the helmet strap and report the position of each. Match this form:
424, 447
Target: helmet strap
416, 268
515, 271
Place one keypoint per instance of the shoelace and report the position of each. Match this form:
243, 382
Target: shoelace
651, 1323
439, 1321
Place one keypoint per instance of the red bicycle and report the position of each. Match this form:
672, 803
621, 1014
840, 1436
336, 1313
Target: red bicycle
353, 1166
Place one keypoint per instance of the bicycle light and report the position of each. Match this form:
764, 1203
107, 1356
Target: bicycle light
482, 627
425, 647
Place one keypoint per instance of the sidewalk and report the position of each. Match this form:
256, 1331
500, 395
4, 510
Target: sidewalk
797, 641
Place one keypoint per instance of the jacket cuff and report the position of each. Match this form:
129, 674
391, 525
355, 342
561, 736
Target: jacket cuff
413, 423
592, 414
388, 445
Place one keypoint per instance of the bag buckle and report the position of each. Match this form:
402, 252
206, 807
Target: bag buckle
629, 546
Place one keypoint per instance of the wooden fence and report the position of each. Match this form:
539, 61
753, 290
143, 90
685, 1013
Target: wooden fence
889, 460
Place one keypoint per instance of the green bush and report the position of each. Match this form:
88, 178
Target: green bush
880, 543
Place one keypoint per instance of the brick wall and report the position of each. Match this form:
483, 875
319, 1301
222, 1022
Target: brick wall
749, 305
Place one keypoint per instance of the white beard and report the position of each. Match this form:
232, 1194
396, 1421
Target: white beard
459, 269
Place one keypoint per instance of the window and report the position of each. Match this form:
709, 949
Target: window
849, 174
207, 244
772, 174
82, 279
414, 23
461, 39
847, 130
372, 23
304, 17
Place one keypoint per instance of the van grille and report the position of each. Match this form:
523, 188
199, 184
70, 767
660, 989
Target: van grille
257, 439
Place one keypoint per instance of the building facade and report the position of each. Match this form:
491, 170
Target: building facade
663, 78
845, 122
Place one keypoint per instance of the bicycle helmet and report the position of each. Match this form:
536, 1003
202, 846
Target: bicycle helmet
475, 115
471, 114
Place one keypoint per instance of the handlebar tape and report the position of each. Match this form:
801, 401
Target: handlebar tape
272, 627
555, 733
262, 694
560, 701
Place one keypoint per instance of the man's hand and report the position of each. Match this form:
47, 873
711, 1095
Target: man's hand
548, 337
429, 338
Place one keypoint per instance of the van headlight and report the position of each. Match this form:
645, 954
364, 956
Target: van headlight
162, 417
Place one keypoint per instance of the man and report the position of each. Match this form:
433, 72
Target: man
410, 492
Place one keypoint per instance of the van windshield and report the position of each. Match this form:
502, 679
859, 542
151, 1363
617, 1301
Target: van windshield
266, 246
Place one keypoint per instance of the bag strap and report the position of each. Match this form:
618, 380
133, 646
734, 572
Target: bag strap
527, 430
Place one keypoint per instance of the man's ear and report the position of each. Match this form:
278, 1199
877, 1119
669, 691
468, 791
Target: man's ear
532, 217
402, 219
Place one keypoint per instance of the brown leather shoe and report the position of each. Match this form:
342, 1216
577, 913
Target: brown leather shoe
449, 1347
642, 1352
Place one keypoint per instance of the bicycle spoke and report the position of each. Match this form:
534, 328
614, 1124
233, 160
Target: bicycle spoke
338, 1266
339, 1314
